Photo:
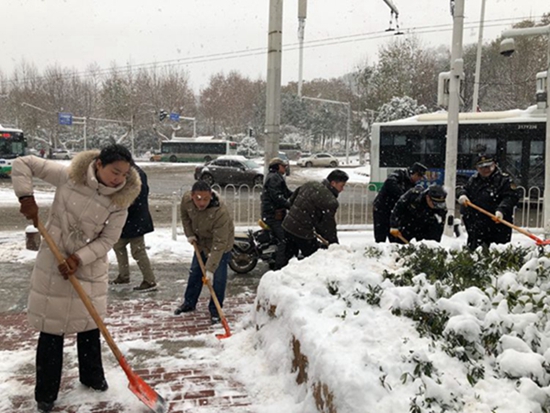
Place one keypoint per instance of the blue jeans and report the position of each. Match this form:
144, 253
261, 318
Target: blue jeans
194, 284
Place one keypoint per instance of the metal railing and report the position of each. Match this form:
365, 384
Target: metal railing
355, 210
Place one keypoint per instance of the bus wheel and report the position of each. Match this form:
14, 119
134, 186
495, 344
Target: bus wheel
207, 159
209, 179
309, 164
258, 180
173, 158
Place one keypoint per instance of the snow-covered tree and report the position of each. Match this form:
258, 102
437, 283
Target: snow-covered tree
248, 146
399, 108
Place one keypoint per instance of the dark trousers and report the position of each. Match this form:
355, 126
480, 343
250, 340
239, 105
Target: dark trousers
295, 245
194, 284
276, 227
381, 220
49, 363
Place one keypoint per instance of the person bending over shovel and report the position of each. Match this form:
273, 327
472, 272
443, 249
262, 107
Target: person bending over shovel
86, 217
208, 224
494, 191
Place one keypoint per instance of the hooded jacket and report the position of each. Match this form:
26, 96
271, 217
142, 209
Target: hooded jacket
86, 218
212, 226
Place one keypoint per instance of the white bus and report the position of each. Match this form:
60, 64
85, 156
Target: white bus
201, 149
515, 137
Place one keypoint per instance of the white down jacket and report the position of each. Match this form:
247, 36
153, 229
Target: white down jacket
86, 218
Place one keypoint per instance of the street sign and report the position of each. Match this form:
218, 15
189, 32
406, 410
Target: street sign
175, 117
65, 118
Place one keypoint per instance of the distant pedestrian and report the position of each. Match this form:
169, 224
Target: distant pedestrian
313, 212
494, 191
42, 152
419, 214
206, 222
86, 217
399, 182
138, 223
275, 204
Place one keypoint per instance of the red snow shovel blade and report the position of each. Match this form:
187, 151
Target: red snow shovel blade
226, 328
143, 391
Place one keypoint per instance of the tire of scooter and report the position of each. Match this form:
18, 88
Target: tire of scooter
242, 262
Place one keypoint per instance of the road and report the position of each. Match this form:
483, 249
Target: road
168, 178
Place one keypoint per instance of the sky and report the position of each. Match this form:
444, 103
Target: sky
206, 37
367, 356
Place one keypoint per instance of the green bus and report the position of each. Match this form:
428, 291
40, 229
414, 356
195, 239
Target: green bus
201, 149
12, 145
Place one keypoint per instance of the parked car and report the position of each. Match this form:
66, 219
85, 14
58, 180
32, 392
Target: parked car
231, 170
318, 159
5, 167
62, 154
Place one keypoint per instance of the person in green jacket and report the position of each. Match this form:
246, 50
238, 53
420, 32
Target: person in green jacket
207, 223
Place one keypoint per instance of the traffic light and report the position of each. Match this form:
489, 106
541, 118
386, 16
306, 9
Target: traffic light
162, 114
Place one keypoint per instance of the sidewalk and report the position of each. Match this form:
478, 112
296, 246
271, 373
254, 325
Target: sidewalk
195, 383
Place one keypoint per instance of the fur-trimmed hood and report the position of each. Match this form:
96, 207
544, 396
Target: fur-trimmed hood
82, 171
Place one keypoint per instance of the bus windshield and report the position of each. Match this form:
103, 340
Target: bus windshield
12, 143
196, 149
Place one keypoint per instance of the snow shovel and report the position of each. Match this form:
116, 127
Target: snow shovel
400, 236
142, 390
538, 241
213, 295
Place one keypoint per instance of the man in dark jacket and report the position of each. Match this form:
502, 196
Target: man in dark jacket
275, 195
494, 191
138, 223
397, 184
313, 209
420, 214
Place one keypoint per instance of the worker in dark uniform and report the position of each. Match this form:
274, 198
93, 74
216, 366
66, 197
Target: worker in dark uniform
313, 213
275, 204
494, 191
399, 182
419, 214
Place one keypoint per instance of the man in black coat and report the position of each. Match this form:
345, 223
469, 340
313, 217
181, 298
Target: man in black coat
419, 214
138, 223
399, 182
275, 195
313, 210
494, 191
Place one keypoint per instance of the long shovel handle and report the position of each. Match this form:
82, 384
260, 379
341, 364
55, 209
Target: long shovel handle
81, 293
137, 385
508, 224
402, 238
212, 293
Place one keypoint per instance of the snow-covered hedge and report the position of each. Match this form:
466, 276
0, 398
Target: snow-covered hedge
418, 328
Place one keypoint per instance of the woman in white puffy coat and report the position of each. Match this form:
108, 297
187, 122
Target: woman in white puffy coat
86, 218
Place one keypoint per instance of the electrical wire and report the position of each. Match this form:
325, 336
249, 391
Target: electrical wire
238, 54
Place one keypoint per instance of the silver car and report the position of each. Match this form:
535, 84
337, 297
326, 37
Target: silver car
319, 159
231, 170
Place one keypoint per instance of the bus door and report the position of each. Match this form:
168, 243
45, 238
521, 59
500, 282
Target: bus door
524, 158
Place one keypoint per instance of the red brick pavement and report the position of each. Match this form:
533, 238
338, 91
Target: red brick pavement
202, 388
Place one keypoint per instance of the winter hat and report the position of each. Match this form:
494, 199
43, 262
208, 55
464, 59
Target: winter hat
483, 160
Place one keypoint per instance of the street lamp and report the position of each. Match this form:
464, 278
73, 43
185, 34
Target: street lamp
507, 47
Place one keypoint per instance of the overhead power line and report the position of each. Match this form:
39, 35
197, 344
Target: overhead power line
238, 54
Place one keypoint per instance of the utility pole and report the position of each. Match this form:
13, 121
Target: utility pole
478, 57
302, 14
457, 73
273, 94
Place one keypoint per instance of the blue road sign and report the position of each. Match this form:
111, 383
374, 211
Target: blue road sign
65, 118
175, 117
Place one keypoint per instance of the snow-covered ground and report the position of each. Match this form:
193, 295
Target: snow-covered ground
341, 308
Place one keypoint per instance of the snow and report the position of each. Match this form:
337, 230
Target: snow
370, 358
